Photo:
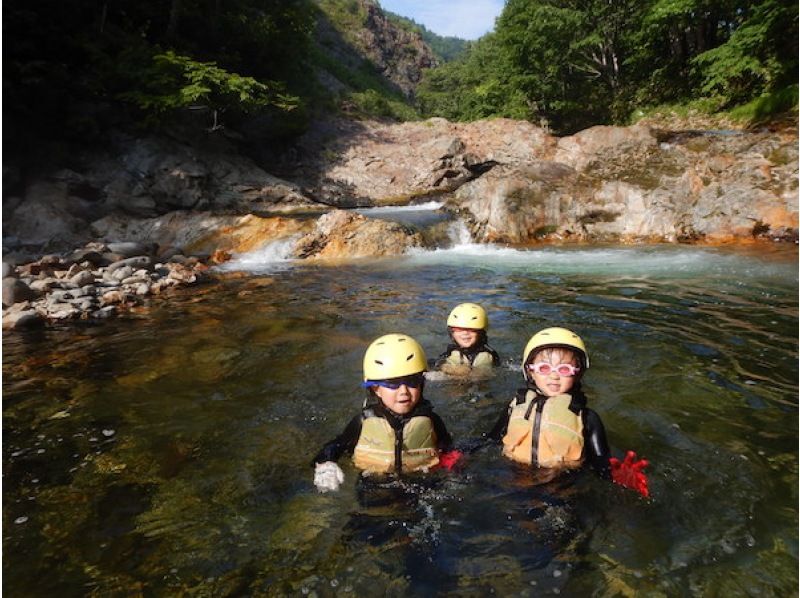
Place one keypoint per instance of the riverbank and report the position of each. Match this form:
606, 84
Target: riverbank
508, 182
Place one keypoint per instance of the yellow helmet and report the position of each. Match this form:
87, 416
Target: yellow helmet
468, 315
555, 337
392, 356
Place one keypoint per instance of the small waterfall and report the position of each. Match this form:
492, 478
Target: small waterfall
268, 257
458, 233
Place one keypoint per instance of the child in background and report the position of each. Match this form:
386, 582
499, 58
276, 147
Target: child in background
467, 326
397, 431
548, 424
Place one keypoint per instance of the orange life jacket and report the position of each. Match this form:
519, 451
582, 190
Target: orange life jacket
544, 432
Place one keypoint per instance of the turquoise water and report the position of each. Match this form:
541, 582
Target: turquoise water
169, 451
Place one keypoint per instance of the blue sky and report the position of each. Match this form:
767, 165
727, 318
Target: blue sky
467, 19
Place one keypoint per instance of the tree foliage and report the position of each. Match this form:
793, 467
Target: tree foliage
176, 82
69, 64
574, 63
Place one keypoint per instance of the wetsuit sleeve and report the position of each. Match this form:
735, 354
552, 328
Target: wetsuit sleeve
501, 426
444, 442
343, 443
595, 446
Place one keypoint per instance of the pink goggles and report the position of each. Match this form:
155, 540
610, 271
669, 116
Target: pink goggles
545, 369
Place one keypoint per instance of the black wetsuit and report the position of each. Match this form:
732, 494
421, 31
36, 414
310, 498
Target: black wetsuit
347, 440
595, 445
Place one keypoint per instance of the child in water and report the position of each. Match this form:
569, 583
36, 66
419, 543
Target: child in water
397, 430
548, 424
467, 326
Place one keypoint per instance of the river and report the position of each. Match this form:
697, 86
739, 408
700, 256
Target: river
168, 451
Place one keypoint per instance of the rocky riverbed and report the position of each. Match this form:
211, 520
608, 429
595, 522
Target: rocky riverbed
102, 279
181, 199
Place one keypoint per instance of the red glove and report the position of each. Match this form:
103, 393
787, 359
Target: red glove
629, 473
449, 459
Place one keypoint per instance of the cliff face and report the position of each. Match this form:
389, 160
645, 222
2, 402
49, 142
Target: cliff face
361, 38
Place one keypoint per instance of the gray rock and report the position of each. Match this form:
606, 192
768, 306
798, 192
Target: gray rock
15, 291
60, 296
131, 280
94, 257
28, 318
9, 271
44, 285
130, 248
120, 273
142, 289
85, 304
141, 261
82, 278
62, 312
105, 312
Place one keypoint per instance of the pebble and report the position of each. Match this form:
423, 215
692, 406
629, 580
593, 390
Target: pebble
108, 433
19, 520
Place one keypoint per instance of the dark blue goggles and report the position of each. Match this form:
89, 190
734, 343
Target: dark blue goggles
415, 381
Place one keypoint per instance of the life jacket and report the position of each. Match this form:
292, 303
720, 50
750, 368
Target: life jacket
544, 431
481, 355
383, 449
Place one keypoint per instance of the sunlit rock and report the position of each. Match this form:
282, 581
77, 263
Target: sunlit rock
341, 234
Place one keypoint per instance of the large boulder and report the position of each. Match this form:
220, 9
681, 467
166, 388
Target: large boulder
368, 163
48, 216
155, 175
341, 234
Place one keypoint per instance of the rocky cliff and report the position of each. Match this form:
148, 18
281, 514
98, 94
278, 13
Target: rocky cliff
510, 180
361, 38
515, 183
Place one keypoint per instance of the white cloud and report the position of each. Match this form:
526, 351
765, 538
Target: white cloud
467, 19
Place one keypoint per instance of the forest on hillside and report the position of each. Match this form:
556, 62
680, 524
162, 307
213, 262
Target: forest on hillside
74, 69
574, 63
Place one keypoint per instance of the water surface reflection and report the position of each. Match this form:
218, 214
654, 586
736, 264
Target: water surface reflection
169, 452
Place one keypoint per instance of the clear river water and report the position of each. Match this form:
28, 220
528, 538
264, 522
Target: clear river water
168, 452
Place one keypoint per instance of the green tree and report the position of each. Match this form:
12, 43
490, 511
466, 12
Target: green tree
177, 82
759, 56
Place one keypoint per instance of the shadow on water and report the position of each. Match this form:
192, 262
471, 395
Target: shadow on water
169, 452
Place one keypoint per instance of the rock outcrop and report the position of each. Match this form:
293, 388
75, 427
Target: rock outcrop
626, 184
341, 234
144, 178
510, 180
348, 163
200, 232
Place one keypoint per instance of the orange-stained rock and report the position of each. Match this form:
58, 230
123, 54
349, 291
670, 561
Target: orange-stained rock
201, 232
340, 234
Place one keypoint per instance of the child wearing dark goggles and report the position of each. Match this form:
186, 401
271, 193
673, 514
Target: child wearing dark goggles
415, 381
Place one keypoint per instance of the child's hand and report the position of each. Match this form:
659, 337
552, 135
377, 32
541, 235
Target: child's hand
449, 459
629, 473
328, 476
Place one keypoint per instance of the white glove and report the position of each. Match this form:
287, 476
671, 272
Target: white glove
328, 476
